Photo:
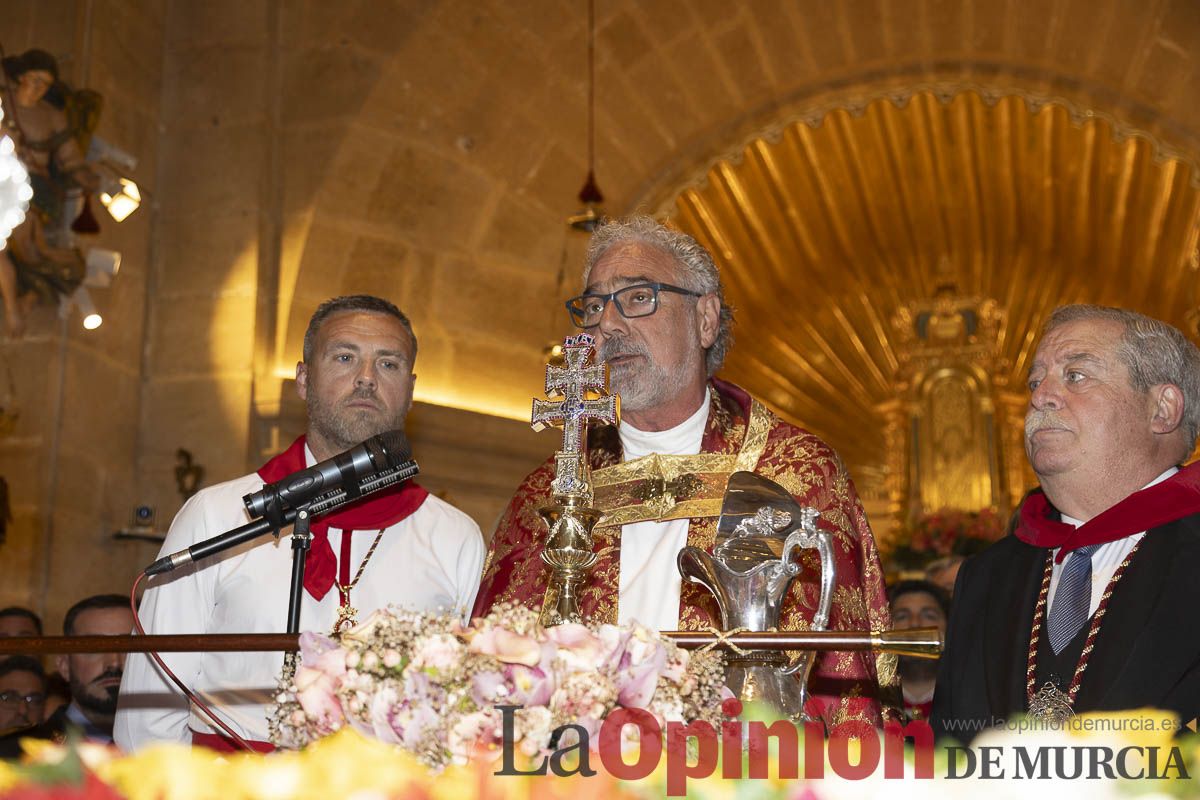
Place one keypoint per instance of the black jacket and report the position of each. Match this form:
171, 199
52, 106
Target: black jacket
1147, 652
53, 728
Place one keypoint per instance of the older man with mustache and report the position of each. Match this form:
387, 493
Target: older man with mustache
654, 301
1087, 606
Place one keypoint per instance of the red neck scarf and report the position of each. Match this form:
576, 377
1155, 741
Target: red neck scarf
374, 512
1175, 498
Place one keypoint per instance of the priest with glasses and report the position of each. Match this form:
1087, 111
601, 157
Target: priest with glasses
654, 302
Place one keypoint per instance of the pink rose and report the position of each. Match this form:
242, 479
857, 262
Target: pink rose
488, 688
506, 646
528, 686
440, 654
317, 694
578, 648
322, 653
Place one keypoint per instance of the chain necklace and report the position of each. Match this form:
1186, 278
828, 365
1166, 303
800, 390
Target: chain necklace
347, 614
1050, 704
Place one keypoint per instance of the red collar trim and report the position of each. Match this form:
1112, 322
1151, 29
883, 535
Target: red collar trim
1175, 498
372, 513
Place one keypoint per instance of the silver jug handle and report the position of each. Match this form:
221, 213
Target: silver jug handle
812, 537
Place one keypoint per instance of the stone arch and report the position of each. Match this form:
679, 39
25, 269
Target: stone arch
449, 184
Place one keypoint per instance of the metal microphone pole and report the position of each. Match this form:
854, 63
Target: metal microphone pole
301, 542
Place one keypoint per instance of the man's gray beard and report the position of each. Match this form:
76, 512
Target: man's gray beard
345, 429
917, 669
641, 388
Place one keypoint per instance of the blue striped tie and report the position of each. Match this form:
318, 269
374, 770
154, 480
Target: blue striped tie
1072, 598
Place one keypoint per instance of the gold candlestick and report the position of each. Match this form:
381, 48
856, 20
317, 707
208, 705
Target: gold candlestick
578, 392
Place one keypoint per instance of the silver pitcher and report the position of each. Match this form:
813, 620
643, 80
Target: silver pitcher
752, 565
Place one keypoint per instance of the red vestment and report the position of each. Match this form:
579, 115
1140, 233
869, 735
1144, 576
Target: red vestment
849, 685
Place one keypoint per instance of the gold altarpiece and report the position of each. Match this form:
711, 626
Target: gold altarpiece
953, 428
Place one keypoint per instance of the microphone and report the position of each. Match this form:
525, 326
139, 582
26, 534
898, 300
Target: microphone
375, 464
344, 471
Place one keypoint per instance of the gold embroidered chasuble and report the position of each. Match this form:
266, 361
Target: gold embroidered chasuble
740, 434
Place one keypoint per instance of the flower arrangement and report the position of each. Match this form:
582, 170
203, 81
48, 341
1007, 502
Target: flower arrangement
949, 531
350, 765
430, 684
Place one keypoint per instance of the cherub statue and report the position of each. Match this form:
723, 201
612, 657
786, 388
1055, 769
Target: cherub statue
51, 126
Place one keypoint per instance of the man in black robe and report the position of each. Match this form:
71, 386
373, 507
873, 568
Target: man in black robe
1088, 605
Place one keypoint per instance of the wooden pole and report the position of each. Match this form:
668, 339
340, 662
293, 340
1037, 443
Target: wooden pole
920, 642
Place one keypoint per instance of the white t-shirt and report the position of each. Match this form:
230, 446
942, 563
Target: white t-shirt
431, 560
650, 582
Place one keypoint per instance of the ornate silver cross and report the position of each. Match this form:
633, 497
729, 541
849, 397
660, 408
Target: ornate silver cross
572, 383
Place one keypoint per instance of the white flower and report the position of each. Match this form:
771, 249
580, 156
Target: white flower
533, 729
472, 730
439, 654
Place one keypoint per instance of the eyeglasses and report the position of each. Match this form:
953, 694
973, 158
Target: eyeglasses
14, 699
639, 300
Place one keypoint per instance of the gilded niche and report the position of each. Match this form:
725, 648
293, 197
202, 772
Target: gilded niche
943, 431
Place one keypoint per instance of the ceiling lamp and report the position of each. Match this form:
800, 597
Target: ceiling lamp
81, 298
102, 266
123, 201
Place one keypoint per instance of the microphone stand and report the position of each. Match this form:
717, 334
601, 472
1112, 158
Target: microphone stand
301, 543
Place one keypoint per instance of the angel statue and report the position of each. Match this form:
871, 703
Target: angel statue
52, 127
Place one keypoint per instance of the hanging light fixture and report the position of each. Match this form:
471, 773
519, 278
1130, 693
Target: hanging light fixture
81, 298
589, 217
123, 200
102, 266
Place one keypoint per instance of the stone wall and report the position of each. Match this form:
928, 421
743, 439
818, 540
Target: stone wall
264, 158
70, 462
215, 204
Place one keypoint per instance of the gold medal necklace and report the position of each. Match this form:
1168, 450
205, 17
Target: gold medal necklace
1049, 703
347, 614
